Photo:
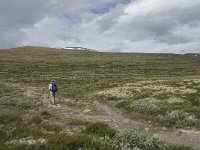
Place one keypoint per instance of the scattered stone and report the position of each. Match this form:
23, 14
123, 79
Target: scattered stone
164, 129
58, 105
189, 131
87, 110
26, 141
156, 135
175, 100
76, 130
38, 104
179, 132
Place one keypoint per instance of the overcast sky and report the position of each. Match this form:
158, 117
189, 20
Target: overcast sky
105, 25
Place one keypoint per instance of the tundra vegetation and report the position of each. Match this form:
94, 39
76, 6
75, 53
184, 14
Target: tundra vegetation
161, 88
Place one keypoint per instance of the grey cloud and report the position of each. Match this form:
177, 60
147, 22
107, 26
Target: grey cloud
19, 15
170, 28
69, 37
148, 25
16, 15
174, 39
107, 21
161, 26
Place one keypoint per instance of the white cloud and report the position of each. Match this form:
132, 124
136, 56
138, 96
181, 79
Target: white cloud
106, 25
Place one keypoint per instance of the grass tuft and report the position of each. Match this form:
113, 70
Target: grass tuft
100, 129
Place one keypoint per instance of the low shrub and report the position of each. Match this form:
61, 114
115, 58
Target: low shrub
136, 140
163, 95
178, 118
76, 104
125, 105
193, 98
51, 127
106, 97
113, 98
76, 122
143, 94
64, 142
23, 147
9, 132
140, 107
46, 115
10, 118
100, 129
14, 102
35, 118
6, 133
147, 109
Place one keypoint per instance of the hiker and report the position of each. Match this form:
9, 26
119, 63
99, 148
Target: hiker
53, 88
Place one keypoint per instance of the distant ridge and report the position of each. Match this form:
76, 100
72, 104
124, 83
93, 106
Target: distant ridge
43, 47
193, 54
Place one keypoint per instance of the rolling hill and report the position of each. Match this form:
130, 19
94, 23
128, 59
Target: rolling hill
155, 98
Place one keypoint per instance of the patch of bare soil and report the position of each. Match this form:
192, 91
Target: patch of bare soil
106, 113
117, 120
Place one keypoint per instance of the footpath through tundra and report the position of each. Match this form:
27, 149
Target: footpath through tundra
101, 111
78, 112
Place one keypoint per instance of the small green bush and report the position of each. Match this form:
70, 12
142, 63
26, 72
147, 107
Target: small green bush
15, 102
163, 95
124, 104
139, 107
35, 118
178, 118
147, 109
100, 129
51, 127
106, 97
63, 142
10, 118
77, 122
193, 98
143, 94
27, 147
113, 98
136, 140
46, 115
6, 133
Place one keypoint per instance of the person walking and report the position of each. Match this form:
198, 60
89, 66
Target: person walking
53, 88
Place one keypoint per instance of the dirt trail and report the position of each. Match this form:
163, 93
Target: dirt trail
117, 117
113, 117
176, 136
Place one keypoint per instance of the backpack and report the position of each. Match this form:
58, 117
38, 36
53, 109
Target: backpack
54, 87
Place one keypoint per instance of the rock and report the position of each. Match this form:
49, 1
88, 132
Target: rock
164, 129
156, 135
58, 105
28, 141
87, 110
178, 132
39, 104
